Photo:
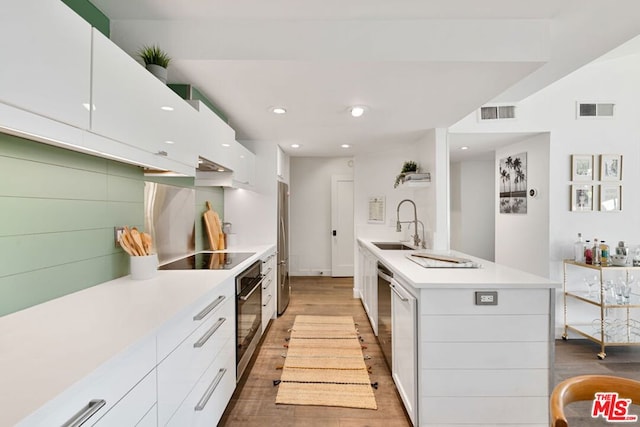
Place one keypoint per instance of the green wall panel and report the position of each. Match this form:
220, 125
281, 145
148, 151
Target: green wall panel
91, 14
59, 209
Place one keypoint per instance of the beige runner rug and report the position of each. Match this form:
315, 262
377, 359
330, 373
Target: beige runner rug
325, 366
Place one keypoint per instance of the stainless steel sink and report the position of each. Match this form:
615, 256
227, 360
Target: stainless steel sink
392, 246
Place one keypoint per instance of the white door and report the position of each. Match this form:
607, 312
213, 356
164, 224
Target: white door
342, 235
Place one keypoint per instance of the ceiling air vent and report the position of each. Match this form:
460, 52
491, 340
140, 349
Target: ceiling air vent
498, 112
595, 109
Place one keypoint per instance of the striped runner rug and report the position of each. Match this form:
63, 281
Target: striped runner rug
324, 365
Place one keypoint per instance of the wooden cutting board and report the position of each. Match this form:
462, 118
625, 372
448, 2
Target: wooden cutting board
214, 228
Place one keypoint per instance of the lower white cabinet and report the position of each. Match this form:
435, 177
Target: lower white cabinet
404, 344
134, 406
208, 399
99, 393
182, 369
268, 290
150, 419
369, 286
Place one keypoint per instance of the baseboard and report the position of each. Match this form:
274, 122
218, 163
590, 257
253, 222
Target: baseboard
326, 273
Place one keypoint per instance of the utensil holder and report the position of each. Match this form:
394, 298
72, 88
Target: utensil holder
143, 267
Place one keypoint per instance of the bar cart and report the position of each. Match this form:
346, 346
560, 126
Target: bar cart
615, 292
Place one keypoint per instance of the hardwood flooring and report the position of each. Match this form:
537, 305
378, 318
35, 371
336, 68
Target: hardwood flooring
253, 401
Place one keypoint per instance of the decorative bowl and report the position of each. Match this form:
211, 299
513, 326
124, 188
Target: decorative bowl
618, 260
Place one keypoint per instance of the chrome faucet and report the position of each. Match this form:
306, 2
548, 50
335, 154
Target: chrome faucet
416, 238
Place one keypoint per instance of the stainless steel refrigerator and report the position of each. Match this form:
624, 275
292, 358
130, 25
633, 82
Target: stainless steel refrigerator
284, 288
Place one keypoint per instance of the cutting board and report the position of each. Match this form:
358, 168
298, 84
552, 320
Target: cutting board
214, 228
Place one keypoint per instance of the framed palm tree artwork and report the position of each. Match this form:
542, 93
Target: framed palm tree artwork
512, 181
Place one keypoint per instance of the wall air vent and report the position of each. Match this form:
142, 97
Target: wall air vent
595, 109
497, 112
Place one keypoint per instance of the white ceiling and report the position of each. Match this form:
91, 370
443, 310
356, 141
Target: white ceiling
416, 64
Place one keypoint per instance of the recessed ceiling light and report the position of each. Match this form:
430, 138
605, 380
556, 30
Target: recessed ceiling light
220, 170
345, 146
295, 145
169, 142
166, 108
464, 148
226, 145
357, 110
278, 110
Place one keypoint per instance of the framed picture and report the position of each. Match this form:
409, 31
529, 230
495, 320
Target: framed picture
376, 210
512, 181
610, 197
582, 198
581, 167
610, 167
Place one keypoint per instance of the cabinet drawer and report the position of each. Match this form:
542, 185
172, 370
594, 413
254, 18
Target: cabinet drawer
176, 330
218, 384
108, 383
134, 406
150, 419
180, 371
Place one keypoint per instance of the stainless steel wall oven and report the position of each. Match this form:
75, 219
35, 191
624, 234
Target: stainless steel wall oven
248, 314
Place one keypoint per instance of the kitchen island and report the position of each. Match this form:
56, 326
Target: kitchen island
471, 346
116, 343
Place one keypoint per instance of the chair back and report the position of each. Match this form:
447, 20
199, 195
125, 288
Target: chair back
584, 387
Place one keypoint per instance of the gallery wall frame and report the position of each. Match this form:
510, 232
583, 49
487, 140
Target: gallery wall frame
610, 167
582, 167
611, 197
581, 197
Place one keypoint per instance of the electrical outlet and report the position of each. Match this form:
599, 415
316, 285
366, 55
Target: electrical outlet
117, 235
486, 297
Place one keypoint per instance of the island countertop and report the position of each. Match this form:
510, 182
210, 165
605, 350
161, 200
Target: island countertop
488, 275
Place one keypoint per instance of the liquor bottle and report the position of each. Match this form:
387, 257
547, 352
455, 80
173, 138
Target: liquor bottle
595, 256
578, 249
588, 254
604, 254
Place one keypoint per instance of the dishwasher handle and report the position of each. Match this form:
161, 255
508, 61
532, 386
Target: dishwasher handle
384, 273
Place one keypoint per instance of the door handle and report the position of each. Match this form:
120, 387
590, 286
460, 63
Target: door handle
334, 232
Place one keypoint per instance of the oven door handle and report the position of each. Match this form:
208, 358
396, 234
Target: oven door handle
247, 296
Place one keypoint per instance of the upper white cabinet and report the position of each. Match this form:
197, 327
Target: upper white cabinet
215, 137
46, 61
133, 107
244, 172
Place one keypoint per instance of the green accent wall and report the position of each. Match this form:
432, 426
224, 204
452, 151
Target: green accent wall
91, 14
186, 91
59, 208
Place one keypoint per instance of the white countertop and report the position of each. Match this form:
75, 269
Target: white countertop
46, 348
489, 275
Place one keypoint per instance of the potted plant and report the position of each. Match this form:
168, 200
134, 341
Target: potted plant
408, 167
156, 60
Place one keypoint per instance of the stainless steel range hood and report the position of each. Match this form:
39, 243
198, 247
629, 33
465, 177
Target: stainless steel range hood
211, 174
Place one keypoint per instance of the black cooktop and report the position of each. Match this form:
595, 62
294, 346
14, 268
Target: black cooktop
208, 261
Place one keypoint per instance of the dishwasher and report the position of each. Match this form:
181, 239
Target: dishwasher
384, 312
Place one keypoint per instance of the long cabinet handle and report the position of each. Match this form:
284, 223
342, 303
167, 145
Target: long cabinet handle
267, 303
209, 391
395, 291
209, 308
203, 340
85, 413
267, 285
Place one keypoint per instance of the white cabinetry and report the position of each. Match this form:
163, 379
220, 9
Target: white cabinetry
210, 334
215, 137
101, 393
268, 290
134, 108
46, 61
369, 286
404, 343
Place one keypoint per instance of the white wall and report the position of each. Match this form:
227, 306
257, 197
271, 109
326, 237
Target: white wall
310, 212
522, 240
473, 208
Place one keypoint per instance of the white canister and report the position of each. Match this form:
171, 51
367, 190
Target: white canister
143, 267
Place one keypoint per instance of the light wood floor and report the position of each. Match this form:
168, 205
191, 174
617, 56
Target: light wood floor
253, 403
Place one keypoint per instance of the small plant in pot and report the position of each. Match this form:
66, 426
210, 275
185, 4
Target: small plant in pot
408, 167
156, 60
